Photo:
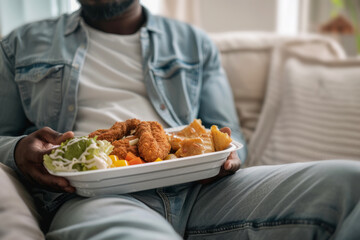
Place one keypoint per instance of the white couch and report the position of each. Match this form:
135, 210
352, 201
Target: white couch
297, 98
247, 59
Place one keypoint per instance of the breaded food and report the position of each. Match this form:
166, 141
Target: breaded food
117, 131
125, 145
153, 142
146, 139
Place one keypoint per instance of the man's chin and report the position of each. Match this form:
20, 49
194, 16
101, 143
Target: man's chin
106, 11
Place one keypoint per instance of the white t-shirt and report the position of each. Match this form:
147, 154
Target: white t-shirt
111, 86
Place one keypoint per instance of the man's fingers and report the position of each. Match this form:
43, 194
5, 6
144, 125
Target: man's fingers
46, 180
232, 164
54, 137
65, 136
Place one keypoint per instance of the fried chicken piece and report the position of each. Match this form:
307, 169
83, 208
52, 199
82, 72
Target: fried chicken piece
123, 146
117, 131
153, 141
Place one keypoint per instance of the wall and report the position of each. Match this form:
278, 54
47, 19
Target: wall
232, 15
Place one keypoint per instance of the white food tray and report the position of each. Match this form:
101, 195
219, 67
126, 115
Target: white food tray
146, 176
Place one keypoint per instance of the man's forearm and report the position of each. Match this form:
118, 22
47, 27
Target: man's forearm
7, 151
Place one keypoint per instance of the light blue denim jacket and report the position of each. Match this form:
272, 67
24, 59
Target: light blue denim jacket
40, 65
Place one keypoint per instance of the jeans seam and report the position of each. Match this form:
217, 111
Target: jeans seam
166, 203
258, 225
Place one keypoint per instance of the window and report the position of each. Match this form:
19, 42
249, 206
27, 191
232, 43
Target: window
154, 6
287, 16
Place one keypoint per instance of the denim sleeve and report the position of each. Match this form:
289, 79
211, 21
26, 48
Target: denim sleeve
12, 118
217, 104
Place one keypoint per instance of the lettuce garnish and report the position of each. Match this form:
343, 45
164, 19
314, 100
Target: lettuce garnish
79, 154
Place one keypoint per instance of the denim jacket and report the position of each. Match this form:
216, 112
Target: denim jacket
40, 65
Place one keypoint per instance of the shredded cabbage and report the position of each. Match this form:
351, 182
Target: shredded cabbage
79, 154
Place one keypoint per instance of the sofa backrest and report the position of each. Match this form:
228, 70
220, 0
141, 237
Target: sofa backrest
246, 58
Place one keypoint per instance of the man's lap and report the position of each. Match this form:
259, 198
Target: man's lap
301, 199
109, 217
260, 201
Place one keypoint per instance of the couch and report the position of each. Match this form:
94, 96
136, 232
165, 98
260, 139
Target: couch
254, 62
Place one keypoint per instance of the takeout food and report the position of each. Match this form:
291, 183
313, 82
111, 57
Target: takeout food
147, 139
79, 154
134, 142
195, 139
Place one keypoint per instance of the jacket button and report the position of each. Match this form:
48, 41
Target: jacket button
162, 106
76, 66
71, 108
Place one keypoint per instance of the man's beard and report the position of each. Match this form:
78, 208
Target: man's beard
106, 11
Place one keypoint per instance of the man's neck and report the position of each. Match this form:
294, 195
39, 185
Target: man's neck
128, 23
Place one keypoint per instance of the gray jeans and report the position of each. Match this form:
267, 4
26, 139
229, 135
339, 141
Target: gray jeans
318, 200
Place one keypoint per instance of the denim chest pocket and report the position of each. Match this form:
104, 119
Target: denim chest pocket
178, 80
40, 91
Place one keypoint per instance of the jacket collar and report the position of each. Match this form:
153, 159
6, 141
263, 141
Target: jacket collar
73, 22
74, 19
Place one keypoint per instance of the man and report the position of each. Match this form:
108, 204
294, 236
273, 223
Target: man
112, 61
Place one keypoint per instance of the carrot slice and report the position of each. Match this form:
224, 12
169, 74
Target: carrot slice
135, 161
130, 156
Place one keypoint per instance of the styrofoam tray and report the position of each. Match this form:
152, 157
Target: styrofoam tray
148, 175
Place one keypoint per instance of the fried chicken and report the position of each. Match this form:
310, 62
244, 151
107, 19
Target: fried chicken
153, 141
123, 146
117, 131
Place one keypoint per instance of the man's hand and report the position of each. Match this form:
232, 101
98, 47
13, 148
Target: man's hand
231, 165
29, 158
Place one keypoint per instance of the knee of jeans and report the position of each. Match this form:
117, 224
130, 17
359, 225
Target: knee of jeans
343, 173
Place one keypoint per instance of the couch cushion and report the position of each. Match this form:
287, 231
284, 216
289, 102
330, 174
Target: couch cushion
17, 211
311, 110
246, 60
